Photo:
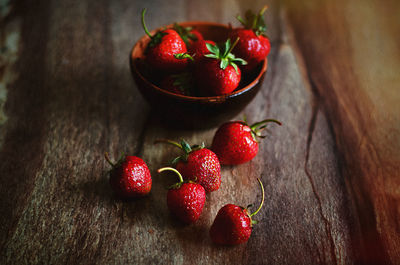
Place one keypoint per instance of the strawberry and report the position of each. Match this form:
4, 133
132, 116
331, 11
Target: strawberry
185, 199
217, 72
195, 42
253, 46
199, 48
198, 164
236, 142
233, 224
188, 34
162, 48
129, 177
181, 83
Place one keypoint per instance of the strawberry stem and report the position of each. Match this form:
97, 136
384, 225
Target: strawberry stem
262, 200
233, 45
144, 24
168, 142
262, 11
171, 169
106, 156
258, 124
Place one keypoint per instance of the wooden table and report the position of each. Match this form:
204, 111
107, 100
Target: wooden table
331, 172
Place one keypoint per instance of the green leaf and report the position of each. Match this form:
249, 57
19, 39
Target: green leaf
222, 51
254, 21
184, 33
175, 160
183, 56
241, 20
235, 67
156, 39
239, 60
224, 63
211, 56
227, 47
185, 146
212, 48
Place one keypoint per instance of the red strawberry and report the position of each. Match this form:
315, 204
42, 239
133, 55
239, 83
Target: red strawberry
185, 199
236, 142
233, 224
218, 74
253, 46
181, 83
198, 164
199, 48
195, 42
130, 177
188, 34
162, 48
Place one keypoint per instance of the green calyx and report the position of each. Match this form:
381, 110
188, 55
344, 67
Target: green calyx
156, 38
181, 181
184, 146
259, 207
258, 127
254, 21
120, 160
185, 33
184, 82
223, 53
183, 56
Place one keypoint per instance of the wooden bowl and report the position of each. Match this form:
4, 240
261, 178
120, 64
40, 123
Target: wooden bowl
190, 111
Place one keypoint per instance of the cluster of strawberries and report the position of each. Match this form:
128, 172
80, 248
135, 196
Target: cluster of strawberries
199, 172
191, 65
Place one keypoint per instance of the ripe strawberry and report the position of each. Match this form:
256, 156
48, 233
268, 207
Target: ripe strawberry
188, 34
233, 224
253, 46
195, 42
181, 83
162, 48
199, 48
198, 164
185, 199
236, 142
130, 177
218, 74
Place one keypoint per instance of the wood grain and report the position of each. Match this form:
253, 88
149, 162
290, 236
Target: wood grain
354, 66
73, 98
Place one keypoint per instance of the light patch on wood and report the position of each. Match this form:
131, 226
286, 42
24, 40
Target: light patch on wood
9, 46
379, 72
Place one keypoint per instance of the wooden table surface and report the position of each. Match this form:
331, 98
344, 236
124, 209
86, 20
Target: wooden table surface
331, 172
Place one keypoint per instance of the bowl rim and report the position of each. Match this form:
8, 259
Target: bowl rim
219, 98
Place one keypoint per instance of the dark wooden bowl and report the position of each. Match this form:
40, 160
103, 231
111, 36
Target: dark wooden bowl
189, 111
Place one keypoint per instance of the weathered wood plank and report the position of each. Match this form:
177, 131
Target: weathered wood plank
56, 205
352, 56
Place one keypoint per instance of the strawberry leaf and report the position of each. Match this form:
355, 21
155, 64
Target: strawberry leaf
224, 63
185, 33
239, 60
254, 21
235, 67
213, 49
183, 56
227, 47
175, 160
211, 56
185, 146
184, 82
223, 53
